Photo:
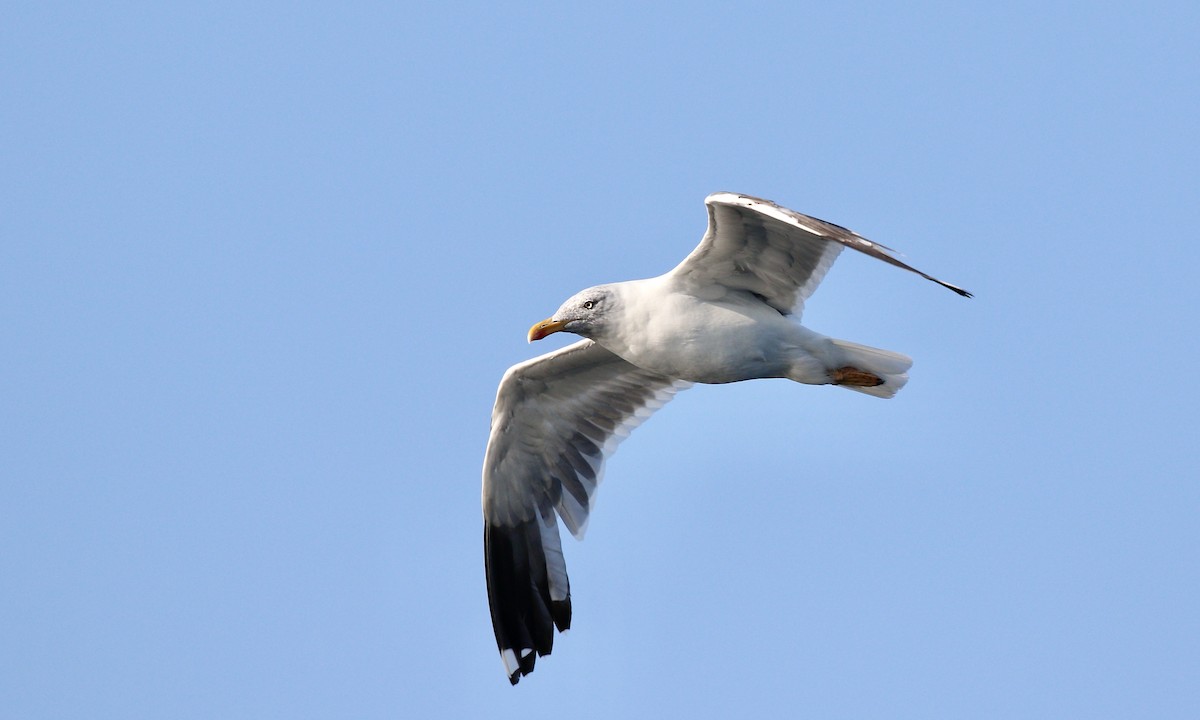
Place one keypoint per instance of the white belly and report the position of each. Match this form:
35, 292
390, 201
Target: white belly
709, 342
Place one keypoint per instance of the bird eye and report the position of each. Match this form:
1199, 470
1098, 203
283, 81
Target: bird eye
589, 304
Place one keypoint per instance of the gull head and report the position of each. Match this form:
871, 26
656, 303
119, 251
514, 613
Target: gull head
584, 313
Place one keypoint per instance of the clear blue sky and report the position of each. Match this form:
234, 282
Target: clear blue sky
262, 267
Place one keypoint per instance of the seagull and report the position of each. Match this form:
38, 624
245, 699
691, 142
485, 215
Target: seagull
729, 312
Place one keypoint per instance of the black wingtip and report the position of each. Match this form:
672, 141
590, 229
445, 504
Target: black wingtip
948, 286
524, 617
561, 610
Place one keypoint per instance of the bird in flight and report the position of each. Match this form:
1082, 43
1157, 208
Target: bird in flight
729, 312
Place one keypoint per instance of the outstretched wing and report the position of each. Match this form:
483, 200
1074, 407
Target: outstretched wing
778, 254
557, 417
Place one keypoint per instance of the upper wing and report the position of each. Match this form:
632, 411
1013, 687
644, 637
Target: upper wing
777, 254
556, 419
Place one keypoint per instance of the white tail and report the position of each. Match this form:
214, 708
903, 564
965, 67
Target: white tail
891, 366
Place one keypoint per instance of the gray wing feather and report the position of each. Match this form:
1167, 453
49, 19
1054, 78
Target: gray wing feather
556, 418
778, 254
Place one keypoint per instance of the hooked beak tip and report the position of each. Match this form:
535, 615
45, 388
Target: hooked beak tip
544, 328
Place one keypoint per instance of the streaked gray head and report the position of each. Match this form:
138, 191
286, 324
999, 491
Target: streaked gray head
583, 314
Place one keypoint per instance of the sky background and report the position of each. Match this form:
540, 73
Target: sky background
262, 267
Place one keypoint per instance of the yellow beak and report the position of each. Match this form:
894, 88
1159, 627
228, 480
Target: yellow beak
544, 328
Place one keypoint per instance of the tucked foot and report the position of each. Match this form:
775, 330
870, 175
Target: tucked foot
855, 377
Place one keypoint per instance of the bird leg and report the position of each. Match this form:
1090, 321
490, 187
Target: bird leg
853, 376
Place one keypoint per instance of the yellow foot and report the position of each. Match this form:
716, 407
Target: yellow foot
853, 376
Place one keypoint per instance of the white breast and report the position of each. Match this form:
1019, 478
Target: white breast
681, 336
